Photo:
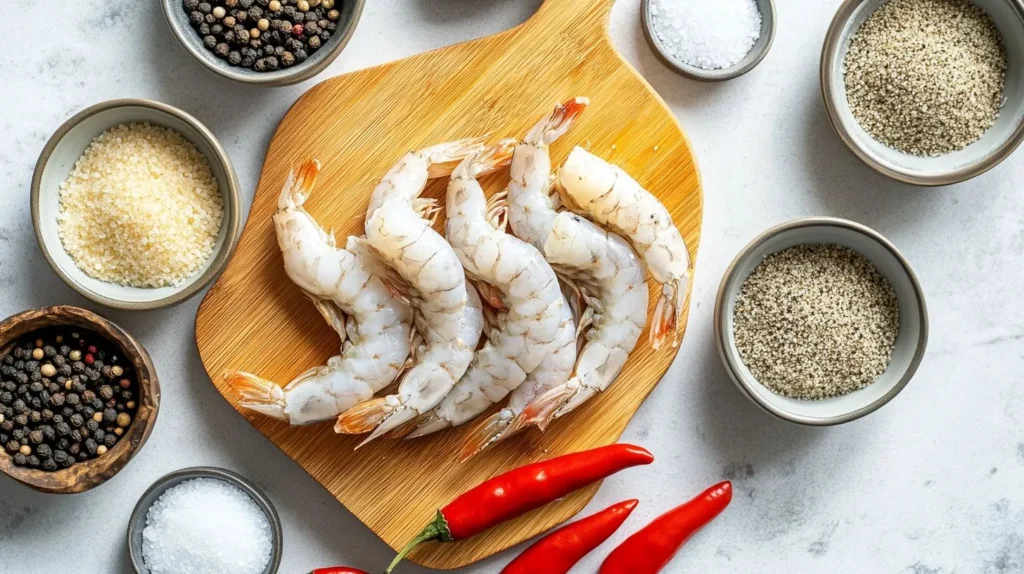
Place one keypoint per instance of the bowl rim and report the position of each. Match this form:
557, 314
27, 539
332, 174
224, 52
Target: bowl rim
833, 40
699, 74
732, 363
290, 76
89, 474
138, 515
232, 208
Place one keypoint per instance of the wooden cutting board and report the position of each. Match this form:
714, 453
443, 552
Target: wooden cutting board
358, 125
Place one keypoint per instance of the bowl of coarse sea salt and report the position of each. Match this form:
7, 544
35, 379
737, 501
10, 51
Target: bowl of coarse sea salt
204, 519
709, 40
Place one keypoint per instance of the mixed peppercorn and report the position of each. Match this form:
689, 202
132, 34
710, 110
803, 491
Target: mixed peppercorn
263, 35
65, 397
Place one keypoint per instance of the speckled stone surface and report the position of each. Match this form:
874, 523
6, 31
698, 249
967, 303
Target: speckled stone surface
933, 483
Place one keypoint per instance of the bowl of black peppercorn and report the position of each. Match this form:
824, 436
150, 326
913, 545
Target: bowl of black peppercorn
264, 42
78, 399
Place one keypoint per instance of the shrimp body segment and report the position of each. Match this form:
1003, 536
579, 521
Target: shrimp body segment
355, 302
613, 198
529, 293
553, 371
606, 270
430, 274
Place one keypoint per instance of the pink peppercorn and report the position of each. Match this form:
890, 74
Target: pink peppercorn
298, 30
89, 359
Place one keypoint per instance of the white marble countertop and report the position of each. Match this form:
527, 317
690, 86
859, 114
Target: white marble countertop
932, 483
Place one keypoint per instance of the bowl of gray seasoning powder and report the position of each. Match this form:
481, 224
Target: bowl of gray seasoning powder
929, 92
820, 321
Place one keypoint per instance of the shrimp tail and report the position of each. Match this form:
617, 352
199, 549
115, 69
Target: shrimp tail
257, 394
492, 430
298, 186
668, 315
429, 425
558, 122
363, 418
378, 415
443, 158
543, 409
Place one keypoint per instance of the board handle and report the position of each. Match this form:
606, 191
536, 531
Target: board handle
561, 14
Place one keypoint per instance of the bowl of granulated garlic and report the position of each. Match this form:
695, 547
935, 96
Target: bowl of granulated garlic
820, 321
135, 204
928, 92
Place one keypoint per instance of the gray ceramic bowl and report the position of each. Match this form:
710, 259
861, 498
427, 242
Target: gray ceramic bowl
757, 52
993, 147
910, 341
178, 19
56, 162
137, 522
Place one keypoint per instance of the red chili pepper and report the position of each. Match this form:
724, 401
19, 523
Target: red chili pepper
521, 490
559, 551
338, 570
652, 547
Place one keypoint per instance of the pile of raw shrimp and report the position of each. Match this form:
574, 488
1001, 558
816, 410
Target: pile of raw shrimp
559, 303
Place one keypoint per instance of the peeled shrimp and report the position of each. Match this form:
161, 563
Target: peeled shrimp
523, 285
613, 198
608, 273
552, 372
429, 272
378, 325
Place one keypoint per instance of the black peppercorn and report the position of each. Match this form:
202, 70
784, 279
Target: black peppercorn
75, 448
196, 18
191, 4
20, 459
35, 437
234, 58
210, 42
77, 420
110, 440
91, 446
287, 59
110, 415
92, 425
49, 464
32, 460
222, 50
21, 420
60, 457
272, 62
205, 7
12, 446
73, 399
44, 451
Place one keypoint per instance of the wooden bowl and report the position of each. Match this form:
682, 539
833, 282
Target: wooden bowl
83, 476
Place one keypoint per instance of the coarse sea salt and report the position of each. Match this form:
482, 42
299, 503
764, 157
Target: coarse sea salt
708, 34
206, 526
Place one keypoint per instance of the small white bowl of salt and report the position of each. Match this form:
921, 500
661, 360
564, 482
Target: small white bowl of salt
204, 519
709, 40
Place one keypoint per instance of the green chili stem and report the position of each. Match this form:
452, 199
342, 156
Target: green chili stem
436, 530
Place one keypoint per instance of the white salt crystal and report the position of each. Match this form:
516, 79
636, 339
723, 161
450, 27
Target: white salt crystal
206, 526
708, 34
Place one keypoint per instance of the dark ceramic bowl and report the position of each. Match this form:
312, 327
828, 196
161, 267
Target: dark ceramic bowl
317, 62
137, 522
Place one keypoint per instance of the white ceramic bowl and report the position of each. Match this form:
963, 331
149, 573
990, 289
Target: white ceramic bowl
59, 157
993, 147
910, 341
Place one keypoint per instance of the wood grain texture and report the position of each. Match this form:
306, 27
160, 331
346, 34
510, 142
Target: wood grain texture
83, 476
358, 125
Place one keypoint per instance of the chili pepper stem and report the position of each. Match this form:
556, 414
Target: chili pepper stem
436, 530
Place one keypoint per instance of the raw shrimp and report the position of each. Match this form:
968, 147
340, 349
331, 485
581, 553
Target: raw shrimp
605, 269
613, 198
524, 286
428, 271
378, 325
553, 371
